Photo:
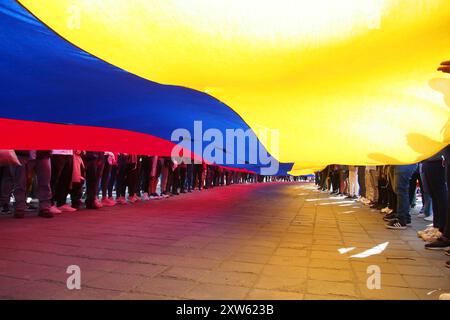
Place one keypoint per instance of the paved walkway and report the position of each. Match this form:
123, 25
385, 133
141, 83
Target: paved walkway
267, 241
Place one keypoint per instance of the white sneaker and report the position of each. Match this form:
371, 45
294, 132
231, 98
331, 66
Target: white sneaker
54, 210
429, 218
444, 296
145, 197
66, 208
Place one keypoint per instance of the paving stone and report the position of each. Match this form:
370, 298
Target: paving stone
331, 287
216, 292
224, 243
259, 294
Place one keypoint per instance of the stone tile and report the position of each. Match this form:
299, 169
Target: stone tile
285, 271
388, 293
330, 287
230, 278
241, 267
424, 282
259, 294
165, 286
280, 283
223, 243
387, 279
330, 275
216, 292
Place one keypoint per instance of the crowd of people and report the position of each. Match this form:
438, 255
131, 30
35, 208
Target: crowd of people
97, 179
394, 189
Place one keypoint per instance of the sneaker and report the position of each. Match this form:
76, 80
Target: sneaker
94, 205
429, 218
444, 296
54, 210
431, 236
66, 208
107, 202
427, 230
145, 197
389, 217
46, 213
121, 200
6, 209
440, 244
396, 225
98, 204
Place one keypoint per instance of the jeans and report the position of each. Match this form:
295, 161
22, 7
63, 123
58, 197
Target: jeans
362, 181
426, 197
434, 174
402, 177
62, 168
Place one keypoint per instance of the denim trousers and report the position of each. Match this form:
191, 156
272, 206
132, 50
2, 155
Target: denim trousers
402, 177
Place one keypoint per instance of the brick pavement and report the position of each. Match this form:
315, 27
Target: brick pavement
267, 241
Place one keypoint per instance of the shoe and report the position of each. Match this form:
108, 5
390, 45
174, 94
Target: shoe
389, 217
447, 264
145, 197
440, 244
444, 296
94, 205
66, 208
6, 209
111, 201
429, 218
431, 236
396, 225
385, 210
19, 214
121, 200
132, 199
427, 230
97, 203
46, 213
107, 202
421, 215
54, 210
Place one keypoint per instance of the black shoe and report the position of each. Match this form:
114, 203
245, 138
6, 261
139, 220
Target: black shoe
6, 209
390, 217
45, 214
92, 206
447, 264
19, 214
439, 244
396, 225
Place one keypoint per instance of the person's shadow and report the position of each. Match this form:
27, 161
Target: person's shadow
419, 142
